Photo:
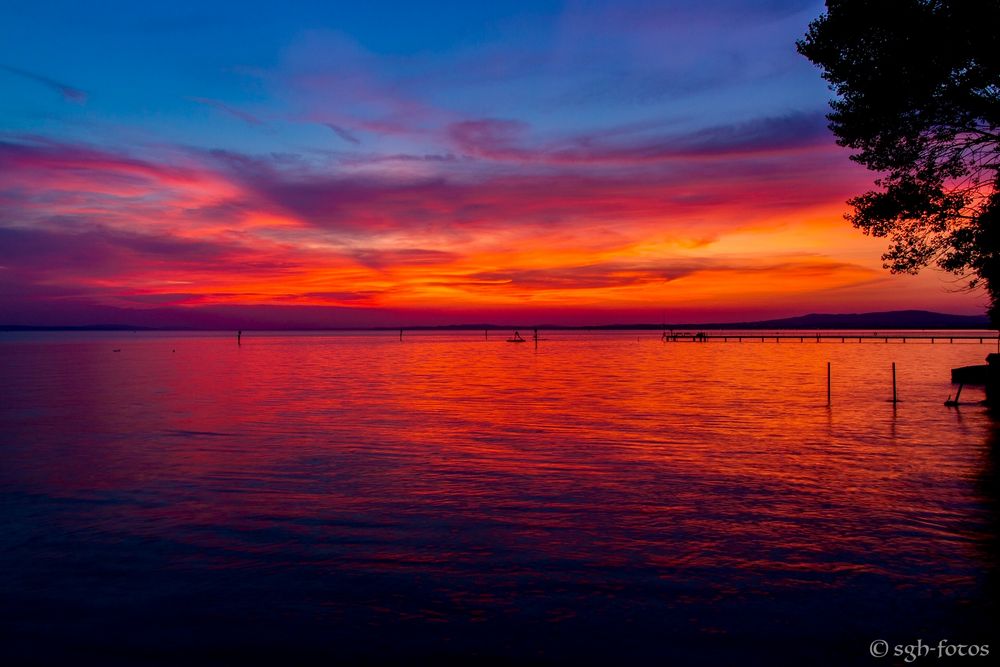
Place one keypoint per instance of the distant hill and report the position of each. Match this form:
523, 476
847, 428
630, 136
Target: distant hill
895, 319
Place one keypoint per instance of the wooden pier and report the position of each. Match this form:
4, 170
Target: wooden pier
839, 337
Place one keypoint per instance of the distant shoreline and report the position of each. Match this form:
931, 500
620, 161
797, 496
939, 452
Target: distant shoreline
892, 320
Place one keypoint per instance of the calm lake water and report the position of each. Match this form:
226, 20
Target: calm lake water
600, 499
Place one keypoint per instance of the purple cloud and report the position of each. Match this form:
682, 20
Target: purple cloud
69, 93
503, 140
97, 252
378, 259
343, 133
494, 138
624, 274
225, 108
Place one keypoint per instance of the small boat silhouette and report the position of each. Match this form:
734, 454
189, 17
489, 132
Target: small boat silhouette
517, 338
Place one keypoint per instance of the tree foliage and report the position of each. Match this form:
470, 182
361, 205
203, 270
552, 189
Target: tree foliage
917, 86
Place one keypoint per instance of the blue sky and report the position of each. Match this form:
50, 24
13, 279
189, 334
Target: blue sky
560, 67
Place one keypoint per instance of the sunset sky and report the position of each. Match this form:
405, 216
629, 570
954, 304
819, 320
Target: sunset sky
395, 164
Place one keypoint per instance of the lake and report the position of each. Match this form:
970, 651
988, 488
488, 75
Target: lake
600, 498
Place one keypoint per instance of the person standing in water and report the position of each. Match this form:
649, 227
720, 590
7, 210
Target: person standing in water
239, 335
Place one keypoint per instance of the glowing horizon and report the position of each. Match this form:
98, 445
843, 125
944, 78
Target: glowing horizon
577, 163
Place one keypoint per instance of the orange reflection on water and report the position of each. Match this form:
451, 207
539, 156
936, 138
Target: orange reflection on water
593, 478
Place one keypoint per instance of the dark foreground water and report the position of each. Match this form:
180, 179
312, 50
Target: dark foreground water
599, 499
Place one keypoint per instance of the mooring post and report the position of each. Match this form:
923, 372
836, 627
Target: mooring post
828, 383
400, 334
894, 382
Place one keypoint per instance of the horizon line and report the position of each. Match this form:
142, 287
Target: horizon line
807, 321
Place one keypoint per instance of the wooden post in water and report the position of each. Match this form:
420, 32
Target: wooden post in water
894, 382
828, 383
400, 334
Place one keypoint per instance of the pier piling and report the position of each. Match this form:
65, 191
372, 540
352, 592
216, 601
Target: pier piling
828, 383
894, 400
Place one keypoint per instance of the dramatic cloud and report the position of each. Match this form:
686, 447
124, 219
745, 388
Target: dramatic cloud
589, 162
220, 227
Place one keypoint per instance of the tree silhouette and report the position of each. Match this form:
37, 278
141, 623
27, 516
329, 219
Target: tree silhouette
917, 86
